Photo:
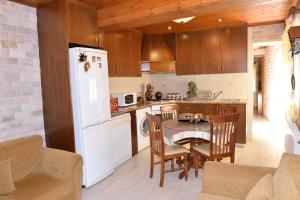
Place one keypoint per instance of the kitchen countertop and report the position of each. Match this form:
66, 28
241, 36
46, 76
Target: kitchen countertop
198, 101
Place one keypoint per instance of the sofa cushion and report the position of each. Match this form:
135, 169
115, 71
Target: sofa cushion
6, 181
287, 178
39, 186
263, 189
25, 154
205, 196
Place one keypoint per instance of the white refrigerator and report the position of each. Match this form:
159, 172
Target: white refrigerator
91, 111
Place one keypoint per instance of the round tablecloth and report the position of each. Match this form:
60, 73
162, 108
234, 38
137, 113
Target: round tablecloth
175, 130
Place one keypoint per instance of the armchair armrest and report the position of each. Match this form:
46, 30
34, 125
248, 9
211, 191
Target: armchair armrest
232, 180
5, 198
64, 165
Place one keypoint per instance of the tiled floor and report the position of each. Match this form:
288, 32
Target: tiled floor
131, 180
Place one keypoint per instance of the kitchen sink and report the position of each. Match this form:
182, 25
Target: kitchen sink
231, 99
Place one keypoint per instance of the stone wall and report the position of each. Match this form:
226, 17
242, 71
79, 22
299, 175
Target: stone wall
20, 83
276, 84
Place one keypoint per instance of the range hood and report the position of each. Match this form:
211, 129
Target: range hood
294, 35
158, 53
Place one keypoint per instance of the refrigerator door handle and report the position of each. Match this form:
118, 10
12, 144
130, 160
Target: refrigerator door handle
109, 120
97, 123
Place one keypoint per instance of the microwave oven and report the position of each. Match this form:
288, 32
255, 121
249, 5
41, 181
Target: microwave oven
126, 99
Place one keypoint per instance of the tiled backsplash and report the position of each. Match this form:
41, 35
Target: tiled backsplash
21, 110
232, 85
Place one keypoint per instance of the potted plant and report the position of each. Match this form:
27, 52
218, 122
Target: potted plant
192, 89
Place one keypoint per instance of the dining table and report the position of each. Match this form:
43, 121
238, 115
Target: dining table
175, 130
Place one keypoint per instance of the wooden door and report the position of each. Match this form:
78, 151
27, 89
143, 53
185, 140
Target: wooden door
185, 53
208, 52
135, 53
110, 44
234, 49
82, 24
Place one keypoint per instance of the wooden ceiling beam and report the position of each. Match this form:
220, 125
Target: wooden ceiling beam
133, 14
31, 3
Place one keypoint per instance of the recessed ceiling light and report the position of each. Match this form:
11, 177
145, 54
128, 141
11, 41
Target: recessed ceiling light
169, 27
220, 20
183, 20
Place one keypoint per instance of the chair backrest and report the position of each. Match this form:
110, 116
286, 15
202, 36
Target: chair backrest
226, 110
223, 133
25, 154
169, 111
156, 134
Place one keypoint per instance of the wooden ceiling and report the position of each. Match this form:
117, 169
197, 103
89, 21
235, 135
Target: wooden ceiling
33, 3
154, 16
147, 13
252, 15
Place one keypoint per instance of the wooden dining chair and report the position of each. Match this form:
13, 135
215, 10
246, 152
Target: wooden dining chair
226, 110
222, 140
166, 153
169, 111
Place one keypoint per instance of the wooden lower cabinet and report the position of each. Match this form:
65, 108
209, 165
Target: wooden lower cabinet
187, 108
207, 109
211, 109
241, 130
134, 141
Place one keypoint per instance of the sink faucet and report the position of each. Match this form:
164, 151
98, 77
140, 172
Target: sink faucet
216, 94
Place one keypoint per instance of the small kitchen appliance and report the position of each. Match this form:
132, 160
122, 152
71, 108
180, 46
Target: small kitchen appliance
126, 99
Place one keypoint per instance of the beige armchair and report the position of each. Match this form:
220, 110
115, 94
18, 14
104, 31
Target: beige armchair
224, 181
42, 173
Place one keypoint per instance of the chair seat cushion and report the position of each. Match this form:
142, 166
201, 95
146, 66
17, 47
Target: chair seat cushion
41, 186
205, 196
202, 148
176, 149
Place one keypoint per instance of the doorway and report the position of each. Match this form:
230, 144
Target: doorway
258, 85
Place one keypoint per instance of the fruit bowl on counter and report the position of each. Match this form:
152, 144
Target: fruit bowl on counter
193, 118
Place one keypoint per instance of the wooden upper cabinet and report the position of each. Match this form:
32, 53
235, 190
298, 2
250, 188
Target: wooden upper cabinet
82, 24
234, 49
110, 44
101, 41
185, 53
212, 51
124, 53
135, 56
208, 52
